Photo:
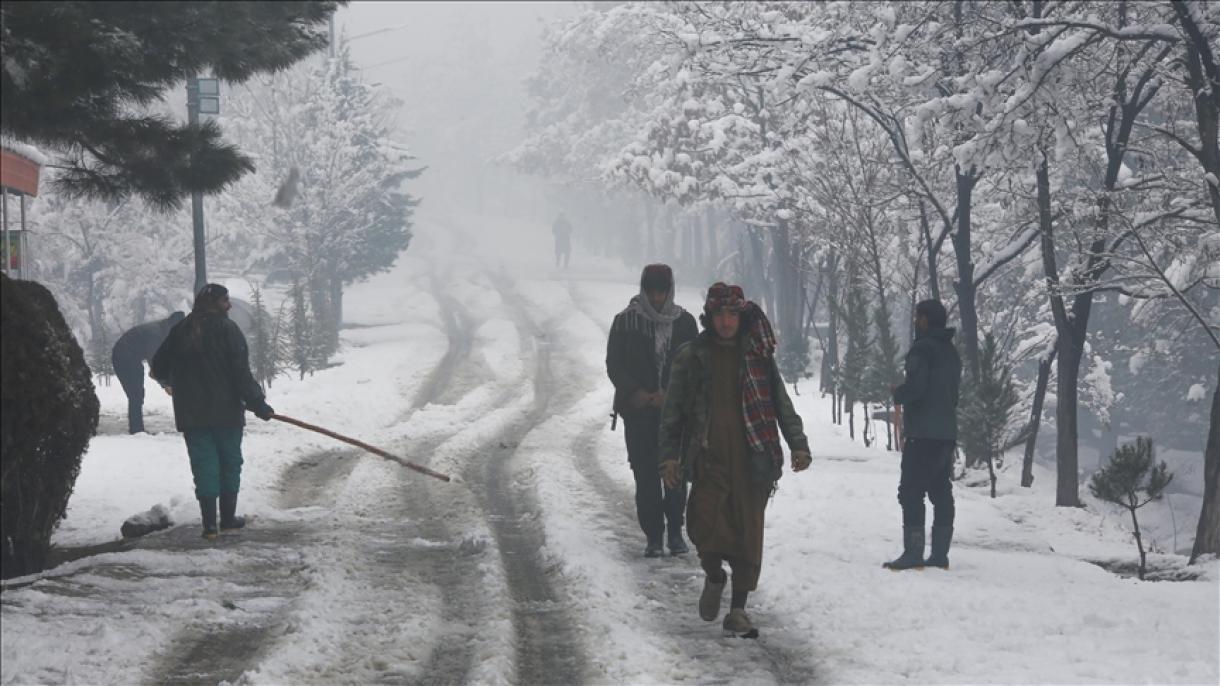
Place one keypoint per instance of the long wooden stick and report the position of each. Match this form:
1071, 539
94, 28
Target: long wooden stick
361, 444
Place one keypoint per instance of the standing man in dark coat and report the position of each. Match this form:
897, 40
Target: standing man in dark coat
205, 364
643, 340
929, 398
136, 345
726, 410
562, 230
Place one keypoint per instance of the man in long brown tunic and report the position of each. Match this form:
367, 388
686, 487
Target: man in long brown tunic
720, 429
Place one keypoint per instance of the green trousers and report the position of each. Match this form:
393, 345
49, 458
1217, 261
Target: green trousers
215, 460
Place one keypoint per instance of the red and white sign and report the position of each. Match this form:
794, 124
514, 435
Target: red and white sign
18, 173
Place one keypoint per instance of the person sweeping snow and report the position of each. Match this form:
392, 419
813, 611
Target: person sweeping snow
204, 364
720, 429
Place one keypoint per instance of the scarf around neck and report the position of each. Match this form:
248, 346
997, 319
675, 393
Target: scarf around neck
658, 324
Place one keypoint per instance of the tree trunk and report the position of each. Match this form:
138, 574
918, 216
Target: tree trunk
1202, 74
336, 300
967, 308
761, 284
933, 286
991, 471
1071, 330
1035, 418
1071, 350
866, 422
851, 419
713, 251
1139, 541
650, 213
699, 264
889, 426
787, 289
1207, 535
830, 362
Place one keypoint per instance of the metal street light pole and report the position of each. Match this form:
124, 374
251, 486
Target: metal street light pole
201, 266
202, 97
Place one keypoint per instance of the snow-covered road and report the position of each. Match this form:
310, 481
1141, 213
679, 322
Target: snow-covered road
484, 363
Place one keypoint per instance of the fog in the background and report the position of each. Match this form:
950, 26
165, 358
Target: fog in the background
459, 69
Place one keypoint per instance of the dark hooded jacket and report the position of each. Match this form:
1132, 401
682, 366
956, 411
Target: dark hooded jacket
929, 395
206, 362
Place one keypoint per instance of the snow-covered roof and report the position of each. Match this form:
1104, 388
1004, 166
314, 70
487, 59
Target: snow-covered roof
26, 150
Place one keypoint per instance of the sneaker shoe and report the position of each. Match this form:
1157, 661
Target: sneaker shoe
654, 551
678, 547
738, 623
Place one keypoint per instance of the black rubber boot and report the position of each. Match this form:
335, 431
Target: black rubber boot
942, 536
229, 521
912, 551
207, 509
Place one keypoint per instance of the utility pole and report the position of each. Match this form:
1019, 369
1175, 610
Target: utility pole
202, 97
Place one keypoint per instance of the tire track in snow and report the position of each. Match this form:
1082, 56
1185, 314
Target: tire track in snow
398, 544
548, 648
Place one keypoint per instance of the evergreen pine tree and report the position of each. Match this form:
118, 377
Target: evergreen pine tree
73, 82
1132, 480
793, 360
883, 371
988, 406
303, 348
100, 359
264, 349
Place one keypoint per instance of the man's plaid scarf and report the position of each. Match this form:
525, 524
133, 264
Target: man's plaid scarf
757, 400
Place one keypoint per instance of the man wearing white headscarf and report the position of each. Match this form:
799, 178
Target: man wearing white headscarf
643, 340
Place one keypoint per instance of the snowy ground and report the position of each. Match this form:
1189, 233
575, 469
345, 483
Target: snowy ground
527, 567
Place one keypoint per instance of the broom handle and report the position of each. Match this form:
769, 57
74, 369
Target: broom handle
362, 445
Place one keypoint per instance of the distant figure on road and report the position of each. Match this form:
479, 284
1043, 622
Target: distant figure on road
562, 229
205, 365
643, 340
724, 413
929, 417
134, 347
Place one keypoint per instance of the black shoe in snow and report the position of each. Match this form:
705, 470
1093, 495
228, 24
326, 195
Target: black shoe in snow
654, 550
677, 546
737, 623
938, 556
912, 551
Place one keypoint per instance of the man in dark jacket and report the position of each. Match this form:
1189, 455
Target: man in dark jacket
205, 365
136, 345
643, 340
929, 398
